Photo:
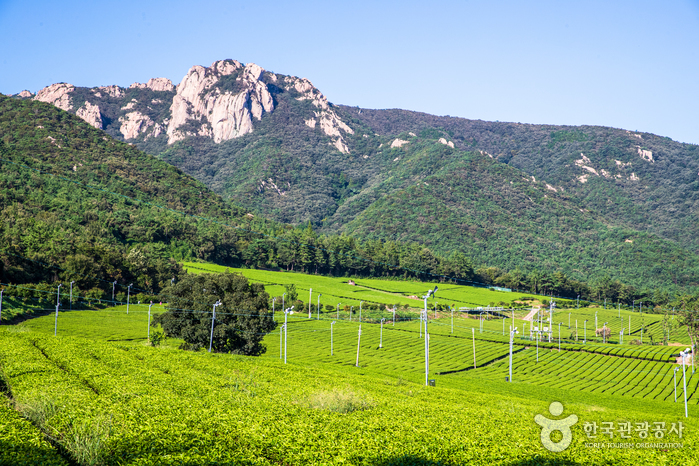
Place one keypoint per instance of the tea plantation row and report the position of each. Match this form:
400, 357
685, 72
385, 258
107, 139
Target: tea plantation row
117, 404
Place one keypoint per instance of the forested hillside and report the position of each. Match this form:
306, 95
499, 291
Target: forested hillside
76, 204
592, 203
637, 180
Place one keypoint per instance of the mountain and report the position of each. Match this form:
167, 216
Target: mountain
78, 205
588, 201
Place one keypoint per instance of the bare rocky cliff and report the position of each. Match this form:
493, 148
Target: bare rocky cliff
220, 102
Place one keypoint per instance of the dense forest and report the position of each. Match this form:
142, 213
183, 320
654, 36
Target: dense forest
588, 202
79, 206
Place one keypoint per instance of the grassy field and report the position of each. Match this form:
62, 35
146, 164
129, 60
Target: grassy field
127, 403
388, 292
98, 393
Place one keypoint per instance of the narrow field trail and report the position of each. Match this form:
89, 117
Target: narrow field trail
531, 314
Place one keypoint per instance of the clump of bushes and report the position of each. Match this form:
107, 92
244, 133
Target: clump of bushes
339, 401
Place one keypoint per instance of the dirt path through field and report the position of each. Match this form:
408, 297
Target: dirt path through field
531, 314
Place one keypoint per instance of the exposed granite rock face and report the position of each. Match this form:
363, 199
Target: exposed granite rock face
57, 94
155, 84
223, 114
25, 94
330, 123
114, 91
442, 141
221, 102
134, 123
91, 114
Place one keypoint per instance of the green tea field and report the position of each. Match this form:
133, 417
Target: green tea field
333, 390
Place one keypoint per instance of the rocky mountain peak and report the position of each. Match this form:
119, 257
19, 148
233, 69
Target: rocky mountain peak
57, 95
222, 112
155, 84
220, 101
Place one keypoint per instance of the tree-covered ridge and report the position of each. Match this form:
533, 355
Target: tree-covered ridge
635, 180
73, 197
77, 205
494, 215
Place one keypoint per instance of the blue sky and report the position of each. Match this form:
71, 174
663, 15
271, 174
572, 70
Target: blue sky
626, 64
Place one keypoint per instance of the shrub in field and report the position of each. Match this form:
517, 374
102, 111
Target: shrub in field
241, 320
156, 337
344, 401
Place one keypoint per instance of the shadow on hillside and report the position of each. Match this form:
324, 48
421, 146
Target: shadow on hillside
408, 460
411, 460
14, 454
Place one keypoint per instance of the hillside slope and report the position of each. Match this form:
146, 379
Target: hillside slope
639, 180
274, 144
78, 205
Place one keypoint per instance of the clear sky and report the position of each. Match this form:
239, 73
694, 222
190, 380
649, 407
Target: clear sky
626, 64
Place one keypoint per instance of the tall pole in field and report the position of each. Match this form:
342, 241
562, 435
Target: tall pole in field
281, 333
473, 338
338, 311
536, 335
569, 321
684, 380
503, 327
559, 337
360, 311
58, 294
604, 333
128, 297
273, 301
674, 379
286, 329
310, 297
113, 285
359, 341
452, 319
427, 349
283, 296
577, 306
512, 337
71, 295
427, 344
351, 312
55, 324
213, 318
381, 337
319, 295
151, 305
332, 351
